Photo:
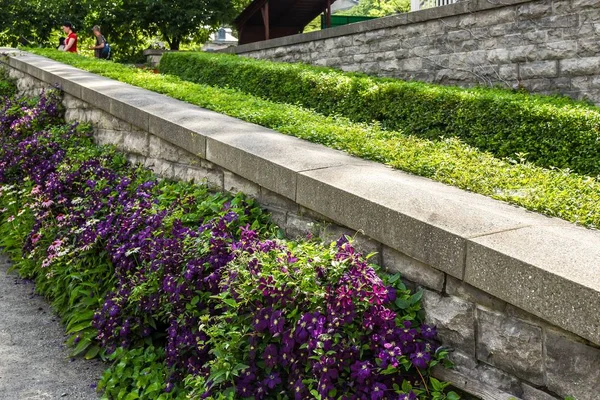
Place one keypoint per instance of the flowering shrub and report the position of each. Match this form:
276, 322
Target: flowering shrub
7, 88
191, 293
553, 192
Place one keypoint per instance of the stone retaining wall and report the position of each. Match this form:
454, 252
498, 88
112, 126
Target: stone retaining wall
544, 46
514, 293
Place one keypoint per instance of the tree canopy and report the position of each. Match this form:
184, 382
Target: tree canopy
378, 8
129, 25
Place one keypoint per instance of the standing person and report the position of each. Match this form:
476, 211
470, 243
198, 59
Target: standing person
61, 44
101, 49
71, 41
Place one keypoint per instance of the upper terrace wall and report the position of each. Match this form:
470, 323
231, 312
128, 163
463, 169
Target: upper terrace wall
544, 46
516, 294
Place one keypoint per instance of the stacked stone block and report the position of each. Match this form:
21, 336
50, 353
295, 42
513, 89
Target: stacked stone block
544, 46
493, 342
500, 351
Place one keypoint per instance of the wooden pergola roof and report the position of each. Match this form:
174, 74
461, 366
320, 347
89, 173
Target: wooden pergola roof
264, 19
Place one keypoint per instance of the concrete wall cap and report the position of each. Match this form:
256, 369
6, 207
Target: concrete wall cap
546, 266
429, 14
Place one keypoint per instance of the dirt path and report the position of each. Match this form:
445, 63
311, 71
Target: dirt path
34, 361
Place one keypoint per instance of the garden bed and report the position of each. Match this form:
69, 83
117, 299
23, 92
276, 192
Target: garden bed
549, 131
560, 193
192, 292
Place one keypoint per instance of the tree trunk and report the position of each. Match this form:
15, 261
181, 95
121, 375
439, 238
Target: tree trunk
174, 45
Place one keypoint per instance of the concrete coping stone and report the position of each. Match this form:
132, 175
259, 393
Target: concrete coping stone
546, 266
428, 14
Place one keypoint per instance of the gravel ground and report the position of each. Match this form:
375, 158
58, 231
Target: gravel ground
34, 361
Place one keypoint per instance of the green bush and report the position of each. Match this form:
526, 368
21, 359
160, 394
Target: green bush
548, 131
193, 294
553, 192
7, 87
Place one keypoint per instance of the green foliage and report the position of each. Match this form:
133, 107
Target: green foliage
557, 193
138, 373
29, 22
550, 132
378, 8
7, 87
167, 280
128, 25
180, 21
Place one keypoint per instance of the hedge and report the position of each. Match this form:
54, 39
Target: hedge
552, 192
7, 87
192, 294
548, 131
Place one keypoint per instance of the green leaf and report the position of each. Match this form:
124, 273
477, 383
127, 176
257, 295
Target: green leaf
154, 387
415, 298
132, 396
230, 302
79, 327
402, 304
92, 352
452, 396
393, 278
437, 386
81, 347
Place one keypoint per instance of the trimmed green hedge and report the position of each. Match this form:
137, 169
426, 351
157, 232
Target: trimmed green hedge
553, 192
7, 87
548, 131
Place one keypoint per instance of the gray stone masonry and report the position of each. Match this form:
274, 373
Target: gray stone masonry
544, 46
514, 294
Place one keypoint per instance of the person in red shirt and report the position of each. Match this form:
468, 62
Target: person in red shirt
71, 41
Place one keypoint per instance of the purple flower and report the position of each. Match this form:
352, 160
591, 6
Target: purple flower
262, 319
378, 391
259, 393
391, 295
272, 380
407, 396
326, 368
276, 323
420, 359
428, 331
325, 386
270, 355
244, 389
299, 389
408, 334
169, 284
361, 371
389, 355
301, 331
379, 294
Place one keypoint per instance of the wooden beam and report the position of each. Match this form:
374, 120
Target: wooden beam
328, 14
249, 11
265, 15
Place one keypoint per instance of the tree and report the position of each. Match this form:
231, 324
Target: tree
378, 8
179, 21
127, 24
29, 22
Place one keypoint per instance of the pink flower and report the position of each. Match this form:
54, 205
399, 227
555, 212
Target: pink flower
55, 245
35, 238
